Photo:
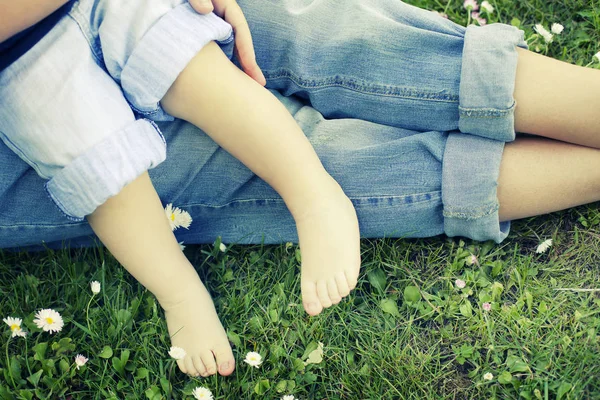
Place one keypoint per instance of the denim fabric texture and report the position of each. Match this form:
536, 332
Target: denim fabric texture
68, 107
408, 111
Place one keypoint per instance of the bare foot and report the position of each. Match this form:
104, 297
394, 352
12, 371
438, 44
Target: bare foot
195, 327
330, 248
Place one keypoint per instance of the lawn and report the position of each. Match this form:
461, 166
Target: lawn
436, 318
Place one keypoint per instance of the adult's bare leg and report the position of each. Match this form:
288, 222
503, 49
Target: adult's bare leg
556, 99
539, 176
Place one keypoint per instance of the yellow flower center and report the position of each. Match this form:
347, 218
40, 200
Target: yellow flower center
49, 320
14, 327
172, 217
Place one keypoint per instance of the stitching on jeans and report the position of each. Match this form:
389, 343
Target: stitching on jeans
95, 50
486, 112
361, 86
427, 196
474, 213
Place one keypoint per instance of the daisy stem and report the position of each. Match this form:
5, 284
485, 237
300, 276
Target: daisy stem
8, 366
27, 358
87, 309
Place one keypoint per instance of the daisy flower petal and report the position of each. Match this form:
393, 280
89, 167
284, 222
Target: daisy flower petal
545, 245
557, 28
253, 359
471, 5
95, 286
177, 217
49, 320
177, 353
202, 393
539, 28
487, 7
488, 376
15, 326
80, 360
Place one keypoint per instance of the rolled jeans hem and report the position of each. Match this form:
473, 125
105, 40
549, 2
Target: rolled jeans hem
487, 83
469, 182
102, 171
164, 52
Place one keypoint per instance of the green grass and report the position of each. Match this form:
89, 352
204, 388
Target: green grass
406, 332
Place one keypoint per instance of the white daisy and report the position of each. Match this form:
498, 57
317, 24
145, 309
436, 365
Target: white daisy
15, 326
488, 376
178, 217
202, 393
597, 55
253, 359
49, 320
545, 245
181, 246
222, 247
95, 286
460, 283
539, 28
20, 333
557, 28
487, 7
177, 353
80, 360
471, 5
288, 397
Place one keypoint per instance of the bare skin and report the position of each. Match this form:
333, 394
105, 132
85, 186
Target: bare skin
248, 121
133, 226
559, 101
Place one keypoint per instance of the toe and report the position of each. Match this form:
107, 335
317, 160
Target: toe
209, 362
199, 365
342, 285
225, 360
311, 302
181, 365
323, 293
189, 365
351, 279
334, 295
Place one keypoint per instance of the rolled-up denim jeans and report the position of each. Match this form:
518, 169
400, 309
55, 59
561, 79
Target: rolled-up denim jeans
78, 107
408, 111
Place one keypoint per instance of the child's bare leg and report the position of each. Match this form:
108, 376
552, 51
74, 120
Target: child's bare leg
247, 120
557, 99
133, 226
538, 176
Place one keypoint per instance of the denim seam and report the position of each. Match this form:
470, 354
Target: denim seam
45, 226
486, 112
60, 205
22, 155
279, 200
96, 50
356, 85
475, 213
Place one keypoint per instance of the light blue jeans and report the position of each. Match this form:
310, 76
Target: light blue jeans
408, 111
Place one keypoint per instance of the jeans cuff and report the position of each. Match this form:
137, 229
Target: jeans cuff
487, 82
103, 170
471, 166
164, 51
